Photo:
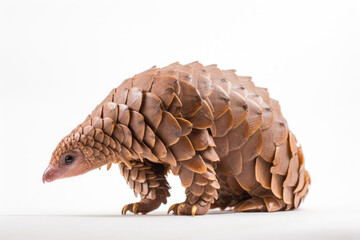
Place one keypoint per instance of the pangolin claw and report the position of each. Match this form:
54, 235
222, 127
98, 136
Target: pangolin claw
186, 208
193, 210
171, 208
125, 209
135, 208
179, 208
176, 208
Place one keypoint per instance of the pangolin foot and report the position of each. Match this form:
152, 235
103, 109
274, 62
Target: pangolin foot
144, 206
254, 204
132, 207
189, 209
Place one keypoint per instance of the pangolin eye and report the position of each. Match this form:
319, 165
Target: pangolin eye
69, 159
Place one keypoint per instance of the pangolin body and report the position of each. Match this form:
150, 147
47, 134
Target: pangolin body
224, 137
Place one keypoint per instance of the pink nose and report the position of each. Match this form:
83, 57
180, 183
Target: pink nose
50, 174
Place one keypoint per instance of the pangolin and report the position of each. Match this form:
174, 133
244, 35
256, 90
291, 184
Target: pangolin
224, 137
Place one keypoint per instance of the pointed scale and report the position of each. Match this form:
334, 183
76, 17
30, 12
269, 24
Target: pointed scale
190, 99
122, 92
203, 118
239, 135
281, 159
238, 107
262, 172
165, 87
195, 164
223, 124
145, 79
246, 178
149, 137
137, 125
134, 99
183, 149
293, 172
186, 126
222, 146
175, 106
151, 110
169, 129
199, 139
111, 110
124, 115
252, 148
186, 176
220, 101
254, 116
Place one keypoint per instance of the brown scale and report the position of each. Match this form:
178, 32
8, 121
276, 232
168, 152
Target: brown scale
225, 138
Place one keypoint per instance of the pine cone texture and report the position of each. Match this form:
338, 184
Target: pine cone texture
225, 138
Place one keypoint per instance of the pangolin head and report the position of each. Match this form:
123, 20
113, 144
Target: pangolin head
75, 155
95, 142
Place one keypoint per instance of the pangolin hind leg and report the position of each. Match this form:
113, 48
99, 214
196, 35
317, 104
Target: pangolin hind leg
148, 180
275, 186
201, 189
230, 193
259, 199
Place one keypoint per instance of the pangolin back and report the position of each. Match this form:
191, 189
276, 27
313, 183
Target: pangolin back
224, 137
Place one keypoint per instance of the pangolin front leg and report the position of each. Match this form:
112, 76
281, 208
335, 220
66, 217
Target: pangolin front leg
148, 180
201, 189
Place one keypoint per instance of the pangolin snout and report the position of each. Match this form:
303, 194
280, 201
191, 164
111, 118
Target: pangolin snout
50, 174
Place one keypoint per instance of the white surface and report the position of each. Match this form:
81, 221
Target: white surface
58, 59
300, 224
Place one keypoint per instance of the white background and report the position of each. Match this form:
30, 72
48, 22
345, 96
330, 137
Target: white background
59, 59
